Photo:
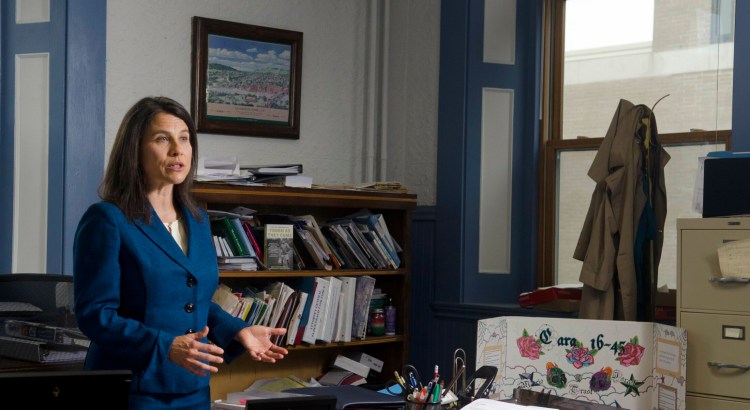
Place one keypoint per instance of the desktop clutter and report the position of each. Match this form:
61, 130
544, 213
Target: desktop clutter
407, 390
433, 394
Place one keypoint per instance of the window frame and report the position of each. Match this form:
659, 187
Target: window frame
551, 142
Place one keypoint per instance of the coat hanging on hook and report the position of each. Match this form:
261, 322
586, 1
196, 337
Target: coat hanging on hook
621, 240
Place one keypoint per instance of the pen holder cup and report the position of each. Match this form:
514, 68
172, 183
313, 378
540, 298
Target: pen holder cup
413, 405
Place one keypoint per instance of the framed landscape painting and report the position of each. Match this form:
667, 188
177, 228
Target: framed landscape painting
246, 79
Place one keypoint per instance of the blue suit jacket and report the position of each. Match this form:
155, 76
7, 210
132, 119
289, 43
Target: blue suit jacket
135, 291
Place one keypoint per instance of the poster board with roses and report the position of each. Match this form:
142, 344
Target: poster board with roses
634, 365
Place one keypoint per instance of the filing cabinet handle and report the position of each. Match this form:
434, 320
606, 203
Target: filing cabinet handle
729, 366
729, 280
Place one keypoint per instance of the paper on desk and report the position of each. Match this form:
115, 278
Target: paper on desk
218, 169
487, 404
279, 384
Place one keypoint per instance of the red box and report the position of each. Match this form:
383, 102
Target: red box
552, 298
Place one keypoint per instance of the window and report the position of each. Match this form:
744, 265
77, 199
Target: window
600, 51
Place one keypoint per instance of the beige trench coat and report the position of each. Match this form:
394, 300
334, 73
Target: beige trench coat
606, 244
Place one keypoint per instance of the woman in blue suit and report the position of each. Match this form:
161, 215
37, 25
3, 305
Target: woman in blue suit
145, 269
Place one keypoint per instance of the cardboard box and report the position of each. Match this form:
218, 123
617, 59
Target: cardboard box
634, 365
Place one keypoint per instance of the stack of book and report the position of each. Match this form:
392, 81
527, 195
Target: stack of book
42, 343
351, 369
237, 247
285, 174
286, 242
312, 309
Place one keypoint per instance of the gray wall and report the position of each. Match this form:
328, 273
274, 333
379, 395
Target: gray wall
369, 82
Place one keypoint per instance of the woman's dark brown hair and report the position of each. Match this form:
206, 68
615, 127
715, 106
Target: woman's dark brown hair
124, 181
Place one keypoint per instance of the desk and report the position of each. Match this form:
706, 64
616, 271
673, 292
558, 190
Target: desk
8, 365
530, 397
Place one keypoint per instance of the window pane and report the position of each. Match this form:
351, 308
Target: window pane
574, 197
642, 50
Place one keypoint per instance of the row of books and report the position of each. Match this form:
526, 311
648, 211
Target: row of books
42, 343
312, 309
278, 241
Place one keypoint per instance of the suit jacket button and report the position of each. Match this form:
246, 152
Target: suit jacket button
189, 308
189, 331
191, 281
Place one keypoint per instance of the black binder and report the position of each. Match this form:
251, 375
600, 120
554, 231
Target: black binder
354, 397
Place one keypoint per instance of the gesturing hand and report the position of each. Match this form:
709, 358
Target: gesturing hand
257, 342
187, 351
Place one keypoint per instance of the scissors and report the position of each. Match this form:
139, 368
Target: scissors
411, 375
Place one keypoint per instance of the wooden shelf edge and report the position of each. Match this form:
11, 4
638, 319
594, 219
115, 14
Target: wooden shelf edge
305, 273
370, 340
321, 197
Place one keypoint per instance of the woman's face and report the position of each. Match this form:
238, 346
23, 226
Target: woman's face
166, 152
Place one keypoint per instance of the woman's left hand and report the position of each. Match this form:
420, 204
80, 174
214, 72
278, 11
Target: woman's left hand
257, 342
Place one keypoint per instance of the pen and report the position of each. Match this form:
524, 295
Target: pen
400, 381
412, 379
455, 379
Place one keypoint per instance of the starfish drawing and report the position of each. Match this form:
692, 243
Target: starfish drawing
632, 386
529, 377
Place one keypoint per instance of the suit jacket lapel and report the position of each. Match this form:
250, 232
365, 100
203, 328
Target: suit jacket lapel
159, 235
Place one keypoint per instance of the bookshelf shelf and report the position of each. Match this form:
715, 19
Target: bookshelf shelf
305, 273
371, 340
312, 360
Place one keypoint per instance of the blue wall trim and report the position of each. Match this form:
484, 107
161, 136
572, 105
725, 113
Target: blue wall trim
451, 154
459, 148
7, 68
84, 146
75, 37
741, 88
26, 39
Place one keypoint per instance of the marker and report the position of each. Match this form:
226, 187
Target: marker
423, 395
436, 396
430, 389
436, 373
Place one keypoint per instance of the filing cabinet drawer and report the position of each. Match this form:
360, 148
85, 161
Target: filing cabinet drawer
717, 338
699, 262
704, 403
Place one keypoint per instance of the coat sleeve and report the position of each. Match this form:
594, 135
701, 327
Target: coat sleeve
222, 329
96, 253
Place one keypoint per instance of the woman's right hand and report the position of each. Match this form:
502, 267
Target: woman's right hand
189, 352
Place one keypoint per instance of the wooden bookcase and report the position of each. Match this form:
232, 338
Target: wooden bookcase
307, 360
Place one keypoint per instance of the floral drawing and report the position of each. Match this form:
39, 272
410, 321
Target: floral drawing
529, 346
631, 353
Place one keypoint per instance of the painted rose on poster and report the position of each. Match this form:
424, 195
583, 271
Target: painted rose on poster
529, 346
631, 353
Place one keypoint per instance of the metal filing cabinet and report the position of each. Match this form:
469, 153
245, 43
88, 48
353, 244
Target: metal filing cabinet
715, 311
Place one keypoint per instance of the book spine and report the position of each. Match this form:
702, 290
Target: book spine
249, 232
233, 238
374, 225
247, 246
